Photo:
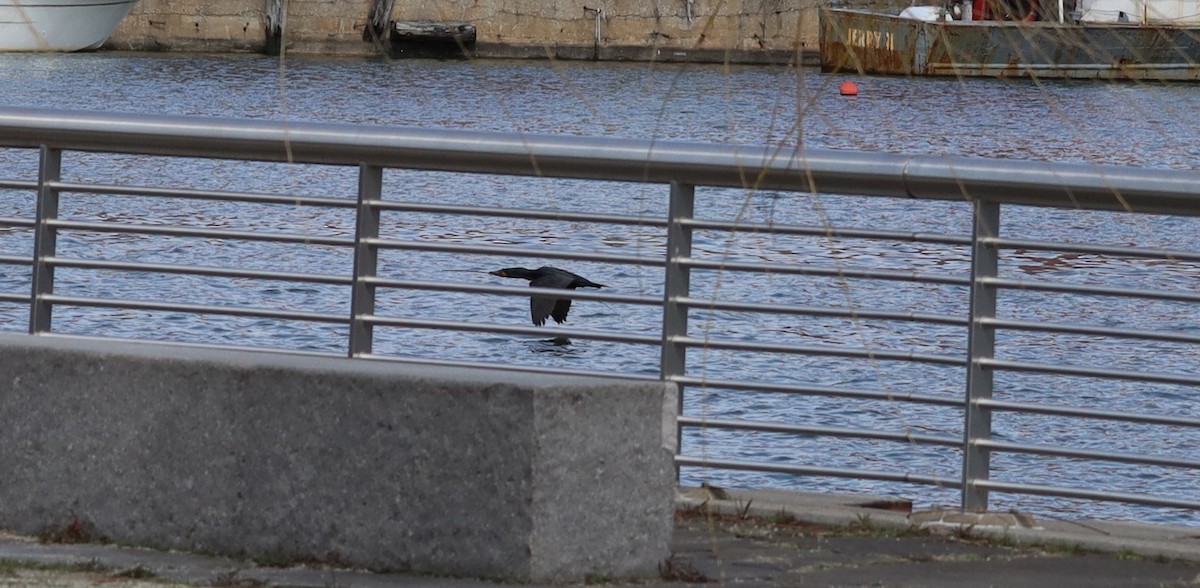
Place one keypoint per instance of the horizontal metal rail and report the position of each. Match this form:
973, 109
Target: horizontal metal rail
1113, 250
1087, 372
831, 391
1088, 330
654, 377
1042, 286
175, 231
15, 260
222, 196
525, 213
197, 270
442, 325
811, 431
1148, 500
905, 477
829, 232
826, 311
834, 272
242, 311
13, 221
1113, 456
512, 291
822, 350
499, 250
1088, 413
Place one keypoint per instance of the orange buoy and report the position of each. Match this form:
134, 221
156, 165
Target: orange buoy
849, 89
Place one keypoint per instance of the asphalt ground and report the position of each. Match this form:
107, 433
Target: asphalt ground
735, 539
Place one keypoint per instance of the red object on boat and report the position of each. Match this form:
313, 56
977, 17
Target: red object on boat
980, 10
849, 89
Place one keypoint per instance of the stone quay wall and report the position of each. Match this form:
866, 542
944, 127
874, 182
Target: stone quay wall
739, 31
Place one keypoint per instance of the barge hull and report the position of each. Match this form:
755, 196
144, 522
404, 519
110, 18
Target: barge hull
870, 43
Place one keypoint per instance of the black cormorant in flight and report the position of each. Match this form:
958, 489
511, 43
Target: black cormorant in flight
541, 307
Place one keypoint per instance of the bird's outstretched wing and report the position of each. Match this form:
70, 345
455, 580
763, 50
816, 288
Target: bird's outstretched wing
561, 307
540, 307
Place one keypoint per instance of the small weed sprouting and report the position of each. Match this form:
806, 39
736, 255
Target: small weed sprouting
864, 523
1127, 554
231, 579
76, 531
744, 510
91, 565
965, 533
594, 579
678, 569
783, 517
135, 573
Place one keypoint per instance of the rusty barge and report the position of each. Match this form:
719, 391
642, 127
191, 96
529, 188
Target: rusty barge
1104, 39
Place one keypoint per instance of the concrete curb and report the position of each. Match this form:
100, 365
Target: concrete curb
842, 510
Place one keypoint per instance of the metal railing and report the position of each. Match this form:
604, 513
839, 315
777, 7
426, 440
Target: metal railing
987, 186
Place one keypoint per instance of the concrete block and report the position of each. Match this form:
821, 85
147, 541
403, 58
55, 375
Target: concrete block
286, 457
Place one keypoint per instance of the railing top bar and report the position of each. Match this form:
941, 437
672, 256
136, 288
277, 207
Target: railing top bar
1068, 185
17, 185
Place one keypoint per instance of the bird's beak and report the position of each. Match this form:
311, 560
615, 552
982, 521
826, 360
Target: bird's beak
498, 273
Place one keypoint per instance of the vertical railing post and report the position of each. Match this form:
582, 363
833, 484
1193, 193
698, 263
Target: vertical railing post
675, 286
981, 344
45, 241
276, 27
366, 259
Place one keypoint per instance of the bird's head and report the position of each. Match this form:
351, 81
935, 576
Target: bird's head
514, 272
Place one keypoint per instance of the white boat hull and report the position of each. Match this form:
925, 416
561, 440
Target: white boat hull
59, 25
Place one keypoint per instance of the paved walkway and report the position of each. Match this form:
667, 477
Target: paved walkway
767, 539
